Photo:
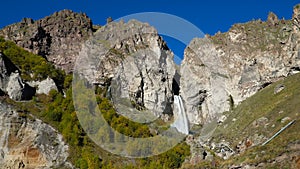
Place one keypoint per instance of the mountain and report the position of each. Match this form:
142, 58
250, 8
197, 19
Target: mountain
238, 88
236, 64
58, 37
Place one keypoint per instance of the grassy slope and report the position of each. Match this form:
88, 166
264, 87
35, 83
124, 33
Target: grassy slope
274, 107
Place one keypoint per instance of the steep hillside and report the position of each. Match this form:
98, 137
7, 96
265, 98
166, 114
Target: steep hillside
240, 138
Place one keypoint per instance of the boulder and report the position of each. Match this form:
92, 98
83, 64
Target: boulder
44, 86
17, 89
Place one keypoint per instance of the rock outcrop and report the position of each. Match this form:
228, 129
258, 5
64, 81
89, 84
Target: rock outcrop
44, 86
220, 71
57, 37
26, 142
134, 60
202, 82
11, 83
6, 68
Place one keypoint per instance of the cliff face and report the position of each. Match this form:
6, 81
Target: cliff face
134, 60
217, 72
57, 37
220, 71
134, 63
26, 142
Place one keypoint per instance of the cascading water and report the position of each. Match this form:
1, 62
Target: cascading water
180, 122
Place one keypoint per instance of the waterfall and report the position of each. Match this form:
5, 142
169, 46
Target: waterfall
180, 119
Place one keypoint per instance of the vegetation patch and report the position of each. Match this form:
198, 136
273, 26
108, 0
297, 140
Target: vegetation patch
32, 67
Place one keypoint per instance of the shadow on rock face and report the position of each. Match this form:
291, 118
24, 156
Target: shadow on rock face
28, 92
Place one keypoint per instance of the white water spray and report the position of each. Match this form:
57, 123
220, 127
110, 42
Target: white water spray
180, 121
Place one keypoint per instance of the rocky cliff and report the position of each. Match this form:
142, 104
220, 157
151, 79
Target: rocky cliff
217, 72
27, 142
134, 65
57, 37
134, 61
220, 71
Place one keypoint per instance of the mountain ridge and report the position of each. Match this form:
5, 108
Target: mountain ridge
219, 73
57, 37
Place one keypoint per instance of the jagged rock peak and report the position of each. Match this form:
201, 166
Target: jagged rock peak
27, 21
134, 30
117, 40
57, 37
296, 16
272, 19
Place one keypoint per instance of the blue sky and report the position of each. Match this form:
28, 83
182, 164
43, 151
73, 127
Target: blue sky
209, 16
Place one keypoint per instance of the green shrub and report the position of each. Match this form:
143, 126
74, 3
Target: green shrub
31, 66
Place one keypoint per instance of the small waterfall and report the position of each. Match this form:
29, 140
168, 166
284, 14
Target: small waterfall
108, 93
180, 121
